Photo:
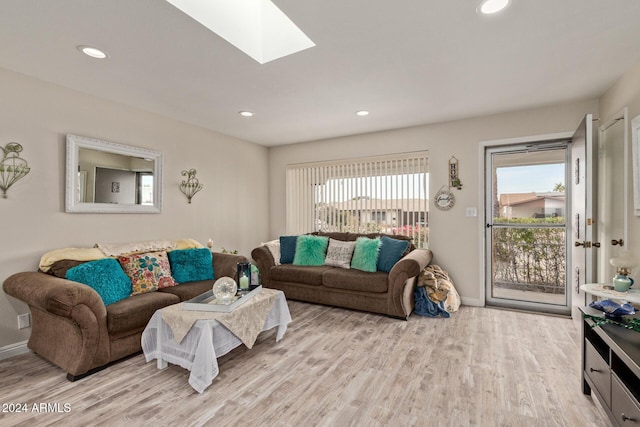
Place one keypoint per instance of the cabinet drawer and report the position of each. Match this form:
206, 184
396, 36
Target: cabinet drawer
597, 369
623, 406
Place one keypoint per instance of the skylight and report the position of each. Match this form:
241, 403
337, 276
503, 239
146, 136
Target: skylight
256, 27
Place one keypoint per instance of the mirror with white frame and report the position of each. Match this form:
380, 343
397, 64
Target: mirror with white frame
105, 177
611, 189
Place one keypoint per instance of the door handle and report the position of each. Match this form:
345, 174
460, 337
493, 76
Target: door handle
626, 418
585, 244
617, 242
596, 244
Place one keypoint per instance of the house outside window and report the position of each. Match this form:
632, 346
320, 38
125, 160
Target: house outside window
366, 195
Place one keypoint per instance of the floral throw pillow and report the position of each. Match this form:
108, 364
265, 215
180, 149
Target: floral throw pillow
148, 272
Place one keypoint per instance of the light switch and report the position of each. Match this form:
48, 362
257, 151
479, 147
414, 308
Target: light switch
472, 212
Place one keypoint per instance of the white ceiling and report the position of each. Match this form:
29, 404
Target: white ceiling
409, 62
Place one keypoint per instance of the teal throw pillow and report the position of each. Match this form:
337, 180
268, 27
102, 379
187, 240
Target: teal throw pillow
287, 249
391, 251
311, 250
105, 276
191, 265
365, 255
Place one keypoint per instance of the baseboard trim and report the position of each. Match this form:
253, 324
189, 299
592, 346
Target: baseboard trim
475, 302
13, 350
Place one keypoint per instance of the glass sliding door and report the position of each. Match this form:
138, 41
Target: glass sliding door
526, 234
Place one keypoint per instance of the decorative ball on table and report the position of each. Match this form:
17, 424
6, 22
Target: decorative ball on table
224, 289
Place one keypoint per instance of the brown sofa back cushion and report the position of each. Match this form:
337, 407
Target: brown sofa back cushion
351, 237
59, 268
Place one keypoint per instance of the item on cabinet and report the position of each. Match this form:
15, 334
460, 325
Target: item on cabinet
613, 309
623, 262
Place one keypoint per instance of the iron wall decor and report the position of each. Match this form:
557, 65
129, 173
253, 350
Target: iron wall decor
12, 166
191, 186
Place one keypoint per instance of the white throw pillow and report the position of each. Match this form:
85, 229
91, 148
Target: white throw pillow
339, 253
274, 248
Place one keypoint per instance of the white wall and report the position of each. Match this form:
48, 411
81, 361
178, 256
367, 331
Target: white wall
454, 238
38, 115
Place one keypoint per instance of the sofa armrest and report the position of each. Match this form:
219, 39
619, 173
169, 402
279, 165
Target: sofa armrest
411, 264
264, 260
60, 306
404, 272
53, 294
226, 264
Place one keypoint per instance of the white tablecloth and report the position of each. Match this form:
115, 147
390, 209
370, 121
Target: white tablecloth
204, 343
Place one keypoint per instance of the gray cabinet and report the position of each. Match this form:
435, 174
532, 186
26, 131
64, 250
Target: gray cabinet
610, 369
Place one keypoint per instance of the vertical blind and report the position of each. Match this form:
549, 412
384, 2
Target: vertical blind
367, 195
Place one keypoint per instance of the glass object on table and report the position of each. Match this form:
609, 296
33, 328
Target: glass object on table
224, 289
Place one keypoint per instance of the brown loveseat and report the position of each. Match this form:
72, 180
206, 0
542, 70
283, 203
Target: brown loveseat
72, 328
378, 292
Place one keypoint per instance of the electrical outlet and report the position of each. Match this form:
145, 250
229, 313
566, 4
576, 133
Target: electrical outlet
24, 320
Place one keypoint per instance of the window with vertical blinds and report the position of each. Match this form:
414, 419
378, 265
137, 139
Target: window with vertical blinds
374, 194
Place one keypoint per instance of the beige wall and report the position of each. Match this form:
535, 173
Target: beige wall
454, 238
38, 115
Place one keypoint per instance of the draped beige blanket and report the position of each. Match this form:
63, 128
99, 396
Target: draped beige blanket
440, 287
246, 321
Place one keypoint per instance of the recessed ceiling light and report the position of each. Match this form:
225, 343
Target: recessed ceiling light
246, 113
492, 6
362, 113
92, 52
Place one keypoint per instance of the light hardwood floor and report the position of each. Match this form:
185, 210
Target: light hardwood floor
335, 367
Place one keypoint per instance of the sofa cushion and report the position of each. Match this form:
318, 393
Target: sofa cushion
105, 276
339, 253
191, 265
355, 280
133, 313
287, 249
189, 290
274, 248
338, 235
391, 250
310, 250
365, 255
148, 272
60, 268
309, 275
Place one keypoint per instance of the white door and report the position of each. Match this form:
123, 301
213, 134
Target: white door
582, 220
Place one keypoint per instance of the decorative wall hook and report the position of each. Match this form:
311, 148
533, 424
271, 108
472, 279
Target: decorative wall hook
191, 186
12, 167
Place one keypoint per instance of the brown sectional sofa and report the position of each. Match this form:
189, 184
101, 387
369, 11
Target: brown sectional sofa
378, 292
72, 328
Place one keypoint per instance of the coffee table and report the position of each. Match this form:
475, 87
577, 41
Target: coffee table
211, 336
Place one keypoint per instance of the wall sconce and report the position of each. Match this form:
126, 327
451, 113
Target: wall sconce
191, 186
12, 167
